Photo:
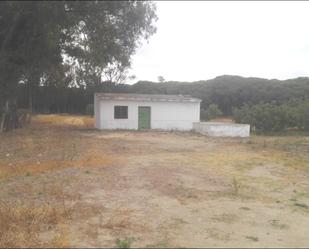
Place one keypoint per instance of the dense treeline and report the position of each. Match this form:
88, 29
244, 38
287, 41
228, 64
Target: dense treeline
224, 91
53, 99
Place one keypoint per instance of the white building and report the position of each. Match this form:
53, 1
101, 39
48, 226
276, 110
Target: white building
145, 111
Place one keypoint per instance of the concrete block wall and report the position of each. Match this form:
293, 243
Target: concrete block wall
216, 129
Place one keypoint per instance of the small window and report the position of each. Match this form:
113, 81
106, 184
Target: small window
120, 112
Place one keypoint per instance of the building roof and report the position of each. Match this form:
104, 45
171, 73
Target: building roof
147, 97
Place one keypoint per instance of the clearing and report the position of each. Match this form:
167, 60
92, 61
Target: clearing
66, 184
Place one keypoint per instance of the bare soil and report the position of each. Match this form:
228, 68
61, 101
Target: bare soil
64, 183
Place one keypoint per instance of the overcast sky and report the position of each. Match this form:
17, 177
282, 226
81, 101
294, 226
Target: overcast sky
201, 40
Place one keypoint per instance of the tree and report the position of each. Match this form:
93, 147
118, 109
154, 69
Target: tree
115, 72
161, 79
35, 36
264, 117
211, 112
106, 41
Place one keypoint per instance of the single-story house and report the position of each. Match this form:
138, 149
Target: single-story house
145, 111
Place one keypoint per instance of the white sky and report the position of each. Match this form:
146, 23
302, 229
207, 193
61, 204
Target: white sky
201, 40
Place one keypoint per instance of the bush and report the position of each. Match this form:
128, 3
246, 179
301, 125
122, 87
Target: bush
211, 112
90, 109
266, 117
302, 115
124, 243
242, 115
263, 117
269, 117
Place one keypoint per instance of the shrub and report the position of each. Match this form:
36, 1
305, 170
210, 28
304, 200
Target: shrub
242, 115
124, 243
263, 117
211, 112
269, 117
266, 117
90, 109
303, 115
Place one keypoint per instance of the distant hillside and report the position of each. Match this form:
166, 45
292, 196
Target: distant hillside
228, 91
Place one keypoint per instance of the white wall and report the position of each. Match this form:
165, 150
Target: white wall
164, 115
215, 129
96, 112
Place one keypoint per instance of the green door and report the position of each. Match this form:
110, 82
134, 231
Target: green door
144, 117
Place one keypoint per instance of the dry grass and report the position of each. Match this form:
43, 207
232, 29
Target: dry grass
32, 167
22, 225
65, 120
223, 119
44, 220
36, 150
64, 184
40, 149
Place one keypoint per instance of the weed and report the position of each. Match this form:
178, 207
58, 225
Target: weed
74, 152
236, 186
28, 174
87, 172
61, 239
124, 243
245, 208
226, 218
253, 238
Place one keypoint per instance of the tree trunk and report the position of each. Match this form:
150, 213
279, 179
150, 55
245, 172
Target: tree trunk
30, 104
9, 118
30, 99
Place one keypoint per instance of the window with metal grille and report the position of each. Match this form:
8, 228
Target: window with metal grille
120, 112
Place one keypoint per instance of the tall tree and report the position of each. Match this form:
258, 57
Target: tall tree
105, 41
36, 36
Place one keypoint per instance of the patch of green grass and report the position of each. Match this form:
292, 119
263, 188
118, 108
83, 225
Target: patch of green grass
28, 174
303, 194
290, 133
276, 224
253, 238
303, 205
179, 221
124, 243
245, 208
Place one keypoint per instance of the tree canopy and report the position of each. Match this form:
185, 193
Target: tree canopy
36, 37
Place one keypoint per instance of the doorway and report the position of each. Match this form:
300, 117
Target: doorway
144, 113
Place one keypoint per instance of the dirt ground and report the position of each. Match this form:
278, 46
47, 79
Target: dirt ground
64, 183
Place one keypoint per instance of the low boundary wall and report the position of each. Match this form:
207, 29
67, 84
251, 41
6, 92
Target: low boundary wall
217, 129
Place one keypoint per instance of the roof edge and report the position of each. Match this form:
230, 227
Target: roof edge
148, 97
